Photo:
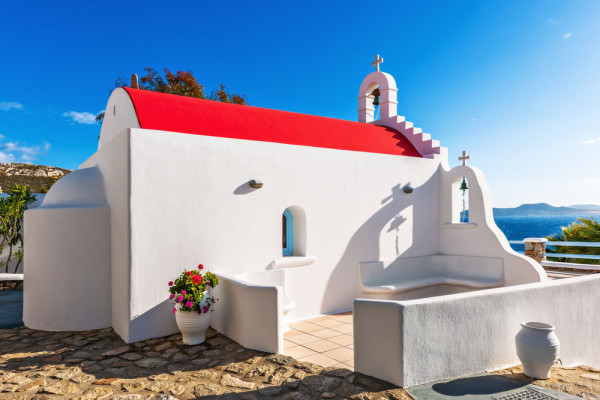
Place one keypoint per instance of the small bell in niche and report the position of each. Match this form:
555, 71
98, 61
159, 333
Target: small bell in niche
376, 93
463, 185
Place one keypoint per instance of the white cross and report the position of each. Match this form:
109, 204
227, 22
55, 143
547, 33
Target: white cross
464, 157
377, 62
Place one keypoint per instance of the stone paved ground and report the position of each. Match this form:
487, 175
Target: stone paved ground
99, 365
578, 381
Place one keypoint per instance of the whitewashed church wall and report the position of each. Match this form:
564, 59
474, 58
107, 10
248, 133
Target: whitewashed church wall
480, 236
207, 213
113, 162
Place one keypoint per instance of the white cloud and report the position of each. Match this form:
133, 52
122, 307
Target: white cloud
6, 158
553, 22
81, 117
592, 141
10, 105
17, 152
591, 181
567, 35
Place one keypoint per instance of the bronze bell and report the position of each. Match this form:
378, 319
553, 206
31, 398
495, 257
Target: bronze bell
376, 93
463, 185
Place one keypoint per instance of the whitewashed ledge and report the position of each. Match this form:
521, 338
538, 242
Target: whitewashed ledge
460, 225
292, 262
11, 277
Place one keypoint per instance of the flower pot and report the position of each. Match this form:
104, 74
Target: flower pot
192, 325
537, 348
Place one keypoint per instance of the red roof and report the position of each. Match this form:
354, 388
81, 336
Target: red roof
167, 112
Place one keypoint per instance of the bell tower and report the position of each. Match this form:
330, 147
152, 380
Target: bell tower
387, 90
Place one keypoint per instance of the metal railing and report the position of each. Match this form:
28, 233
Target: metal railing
562, 264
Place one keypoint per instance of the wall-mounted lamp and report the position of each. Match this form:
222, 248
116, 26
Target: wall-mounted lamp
255, 183
407, 189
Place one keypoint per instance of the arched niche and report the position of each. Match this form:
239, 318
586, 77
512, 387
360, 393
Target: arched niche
297, 216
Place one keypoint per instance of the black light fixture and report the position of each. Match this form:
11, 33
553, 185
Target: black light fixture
255, 183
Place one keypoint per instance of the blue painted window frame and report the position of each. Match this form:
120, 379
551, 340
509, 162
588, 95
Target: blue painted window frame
289, 233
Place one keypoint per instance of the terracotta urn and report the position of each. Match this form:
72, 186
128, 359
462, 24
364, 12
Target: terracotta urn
537, 348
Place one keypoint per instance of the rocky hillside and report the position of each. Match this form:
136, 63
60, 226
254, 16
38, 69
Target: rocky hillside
39, 178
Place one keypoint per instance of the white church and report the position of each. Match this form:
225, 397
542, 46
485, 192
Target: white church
299, 216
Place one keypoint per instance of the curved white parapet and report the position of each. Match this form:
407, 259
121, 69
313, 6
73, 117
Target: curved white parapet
68, 258
81, 188
480, 237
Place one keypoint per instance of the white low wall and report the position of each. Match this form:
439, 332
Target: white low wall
252, 315
413, 342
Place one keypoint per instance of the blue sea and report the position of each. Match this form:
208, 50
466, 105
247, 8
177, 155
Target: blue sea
519, 228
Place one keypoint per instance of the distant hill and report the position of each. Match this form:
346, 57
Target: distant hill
39, 178
587, 206
538, 209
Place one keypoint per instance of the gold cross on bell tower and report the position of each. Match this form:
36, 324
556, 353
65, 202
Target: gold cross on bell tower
377, 62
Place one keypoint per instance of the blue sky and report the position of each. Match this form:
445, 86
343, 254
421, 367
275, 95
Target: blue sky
516, 83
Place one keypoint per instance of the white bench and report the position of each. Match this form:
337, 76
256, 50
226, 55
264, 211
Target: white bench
404, 274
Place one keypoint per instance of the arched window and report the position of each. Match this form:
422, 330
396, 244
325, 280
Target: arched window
288, 233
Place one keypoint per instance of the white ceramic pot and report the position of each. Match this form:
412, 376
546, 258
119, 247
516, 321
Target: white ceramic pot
537, 348
193, 326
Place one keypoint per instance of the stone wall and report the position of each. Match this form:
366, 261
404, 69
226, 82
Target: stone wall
535, 248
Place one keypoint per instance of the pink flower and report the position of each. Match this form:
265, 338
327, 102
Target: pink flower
171, 296
174, 310
189, 304
179, 298
170, 283
200, 266
183, 292
205, 309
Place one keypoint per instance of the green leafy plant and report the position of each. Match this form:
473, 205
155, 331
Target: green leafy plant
12, 209
189, 291
182, 83
584, 230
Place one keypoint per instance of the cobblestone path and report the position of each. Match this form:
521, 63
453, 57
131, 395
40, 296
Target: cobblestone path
99, 365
